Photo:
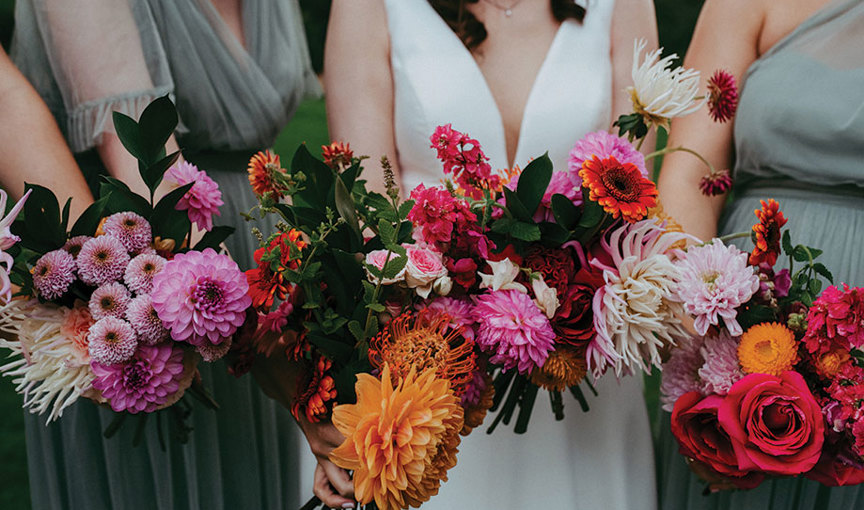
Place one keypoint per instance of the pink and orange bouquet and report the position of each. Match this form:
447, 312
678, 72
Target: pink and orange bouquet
773, 383
118, 308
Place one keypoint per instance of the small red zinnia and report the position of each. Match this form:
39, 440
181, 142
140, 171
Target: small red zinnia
619, 187
263, 170
722, 96
766, 233
337, 154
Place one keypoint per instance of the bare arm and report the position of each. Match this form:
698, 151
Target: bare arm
714, 46
31, 146
359, 83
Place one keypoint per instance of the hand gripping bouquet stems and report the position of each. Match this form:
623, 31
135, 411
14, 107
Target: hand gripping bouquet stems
772, 384
118, 307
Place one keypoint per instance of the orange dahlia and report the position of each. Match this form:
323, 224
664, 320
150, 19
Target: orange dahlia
766, 233
337, 154
319, 390
424, 342
264, 172
267, 282
768, 348
400, 437
620, 188
563, 368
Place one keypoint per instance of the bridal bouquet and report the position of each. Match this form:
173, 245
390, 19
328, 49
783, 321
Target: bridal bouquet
118, 307
773, 384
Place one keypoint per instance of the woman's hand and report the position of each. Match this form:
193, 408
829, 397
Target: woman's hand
332, 484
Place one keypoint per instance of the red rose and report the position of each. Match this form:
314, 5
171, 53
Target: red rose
463, 272
555, 264
774, 422
700, 436
574, 320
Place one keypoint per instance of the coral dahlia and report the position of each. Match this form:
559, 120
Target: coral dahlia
264, 171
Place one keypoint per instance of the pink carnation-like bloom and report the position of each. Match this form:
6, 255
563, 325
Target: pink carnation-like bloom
201, 297
109, 300
460, 312
53, 273
681, 372
512, 328
715, 281
101, 260
462, 156
721, 369
203, 200
143, 383
131, 229
111, 340
141, 270
603, 144
74, 244
146, 322
835, 320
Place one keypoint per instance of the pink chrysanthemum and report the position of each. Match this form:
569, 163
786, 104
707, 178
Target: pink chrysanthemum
53, 273
715, 280
101, 260
111, 340
512, 328
722, 96
203, 200
716, 183
146, 322
721, 369
109, 300
835, 320
602, 144
141, 270
460, 312
73, 245
211, 353
145, 382
201, 297
131, 229
681, 372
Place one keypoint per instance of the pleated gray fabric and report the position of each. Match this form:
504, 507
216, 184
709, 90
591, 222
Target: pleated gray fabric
88, 58
799, 137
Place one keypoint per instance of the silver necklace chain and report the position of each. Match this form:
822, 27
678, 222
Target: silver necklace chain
507, 9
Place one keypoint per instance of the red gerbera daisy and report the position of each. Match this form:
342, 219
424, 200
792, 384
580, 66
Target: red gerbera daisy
619, 187
264, 170
722, 96
337, 154
766, 233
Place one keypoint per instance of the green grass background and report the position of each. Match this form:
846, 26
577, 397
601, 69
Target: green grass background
675, 21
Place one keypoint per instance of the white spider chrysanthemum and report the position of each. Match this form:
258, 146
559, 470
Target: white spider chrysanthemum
659, 91
636, 313
47, 368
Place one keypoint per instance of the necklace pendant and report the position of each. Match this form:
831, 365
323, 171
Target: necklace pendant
508, 12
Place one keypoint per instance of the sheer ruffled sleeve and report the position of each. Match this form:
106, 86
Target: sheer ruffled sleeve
89, 58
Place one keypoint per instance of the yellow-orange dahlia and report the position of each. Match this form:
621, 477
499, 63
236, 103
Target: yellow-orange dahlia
620, 188
400, 437
425, 342
563, 368
766, 233
768, 348
264, 170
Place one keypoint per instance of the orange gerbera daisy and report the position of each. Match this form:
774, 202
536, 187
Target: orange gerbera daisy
337, 155
418, 340
399, 437
264, 172
267, 283
619, 187
766, 233
768, 348
562, 369
320, 389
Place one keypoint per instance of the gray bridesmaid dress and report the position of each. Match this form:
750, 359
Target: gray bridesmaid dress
799, 138
88, 58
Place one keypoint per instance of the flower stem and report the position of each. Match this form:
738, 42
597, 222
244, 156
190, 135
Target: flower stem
639, 145
730, 237
669, 150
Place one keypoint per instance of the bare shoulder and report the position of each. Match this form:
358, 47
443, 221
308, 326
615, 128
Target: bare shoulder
784, 16
355, 17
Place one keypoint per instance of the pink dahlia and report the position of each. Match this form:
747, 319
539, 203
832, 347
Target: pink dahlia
145, 321
512, 328
53, 273
111, 340
460, 312
721, 369
74, 244
211, 353
101, 260
203, 200
602, 144
143, 383
681, 372
109, 300
715, 280
141, 270
131, 229
201, 297
722, 96
835, 320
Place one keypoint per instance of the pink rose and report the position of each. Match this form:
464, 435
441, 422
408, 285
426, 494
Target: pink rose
774, 423
377, 259
423, 268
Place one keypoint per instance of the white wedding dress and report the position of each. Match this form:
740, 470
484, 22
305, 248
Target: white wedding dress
600, 460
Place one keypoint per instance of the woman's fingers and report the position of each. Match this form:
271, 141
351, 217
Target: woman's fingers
322, 488
338, 477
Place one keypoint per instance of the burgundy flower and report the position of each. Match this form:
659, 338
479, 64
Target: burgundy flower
716, 183
574, 320
722, 96
557, 266
463, 272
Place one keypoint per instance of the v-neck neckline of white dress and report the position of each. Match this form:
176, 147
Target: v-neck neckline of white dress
475, 66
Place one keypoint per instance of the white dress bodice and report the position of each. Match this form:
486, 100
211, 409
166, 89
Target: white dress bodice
602, 459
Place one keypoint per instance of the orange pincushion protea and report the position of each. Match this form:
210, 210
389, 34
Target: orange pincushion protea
264, 169
418, 341
337, 154
399, 438
619, 187
563, 368
319, 390
768, 348
766, 233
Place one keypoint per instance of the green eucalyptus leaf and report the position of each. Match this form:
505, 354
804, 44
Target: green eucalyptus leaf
533, 182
